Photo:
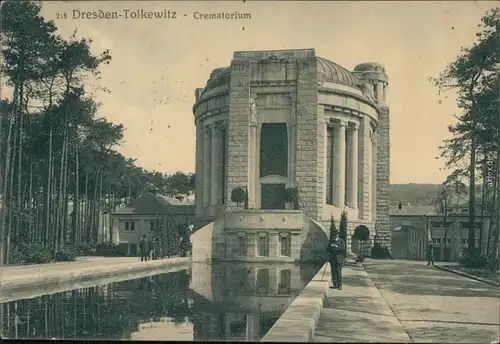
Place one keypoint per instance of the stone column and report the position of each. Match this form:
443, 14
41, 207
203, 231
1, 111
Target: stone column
257, 166
252, 175
293, 155
250, 330
374, 167
274, 281
325, 157
368, 160
353, 178
207, 139
341, 150
274, 247
215, 172
227, 326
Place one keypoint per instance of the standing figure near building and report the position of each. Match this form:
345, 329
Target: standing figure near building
144, 248
336, 255
430, 253
155, 248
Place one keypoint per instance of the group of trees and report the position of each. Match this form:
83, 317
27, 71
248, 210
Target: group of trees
473, 151
59, 166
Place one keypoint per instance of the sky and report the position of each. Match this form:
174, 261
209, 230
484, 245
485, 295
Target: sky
158, 63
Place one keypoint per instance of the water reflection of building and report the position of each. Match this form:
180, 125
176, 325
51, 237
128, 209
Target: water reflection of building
242, 302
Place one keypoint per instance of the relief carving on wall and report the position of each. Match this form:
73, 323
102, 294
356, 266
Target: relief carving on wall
277, 100
253, 111
368, 91
321, 78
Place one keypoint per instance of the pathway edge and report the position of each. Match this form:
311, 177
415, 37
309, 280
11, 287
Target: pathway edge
464, 274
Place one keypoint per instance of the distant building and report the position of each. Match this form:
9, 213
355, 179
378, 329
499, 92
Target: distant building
413, 227
139, 217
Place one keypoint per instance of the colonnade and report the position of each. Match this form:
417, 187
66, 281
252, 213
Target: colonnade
345, 173
214, 144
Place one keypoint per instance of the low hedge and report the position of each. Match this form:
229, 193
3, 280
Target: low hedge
67, 253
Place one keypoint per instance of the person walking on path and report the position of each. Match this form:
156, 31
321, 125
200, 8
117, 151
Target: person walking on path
155, 248
144, 247
430, 253
336, 256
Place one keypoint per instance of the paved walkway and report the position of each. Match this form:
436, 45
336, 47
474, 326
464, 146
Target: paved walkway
437, 306
358, 313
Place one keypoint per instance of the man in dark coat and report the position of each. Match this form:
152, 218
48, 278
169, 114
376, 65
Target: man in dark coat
144, 247
336, 255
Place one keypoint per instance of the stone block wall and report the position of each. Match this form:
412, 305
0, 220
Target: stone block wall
383, 166
238, 128
308, 125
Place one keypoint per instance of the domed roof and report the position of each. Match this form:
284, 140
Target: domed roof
337, 74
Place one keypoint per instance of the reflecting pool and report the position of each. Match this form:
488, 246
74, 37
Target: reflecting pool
210, 302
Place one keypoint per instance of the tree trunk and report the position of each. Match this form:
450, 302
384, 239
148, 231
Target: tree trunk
49, 192
483, 196
472, 181
86, 214
65, 195
76, 205
495, 247
17, 228
31, 206
60, 197
3, 224
11, 191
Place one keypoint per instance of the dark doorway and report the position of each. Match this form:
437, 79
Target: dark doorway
273, 150
272, 196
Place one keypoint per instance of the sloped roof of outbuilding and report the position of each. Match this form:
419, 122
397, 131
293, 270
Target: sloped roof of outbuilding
150, 204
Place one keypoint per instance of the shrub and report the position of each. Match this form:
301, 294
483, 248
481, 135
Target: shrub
379, 252
472, 259
36, 254
109, 250
16, 256
343, 226
238, 195
333, 228
292, 196
85, 249
66, 254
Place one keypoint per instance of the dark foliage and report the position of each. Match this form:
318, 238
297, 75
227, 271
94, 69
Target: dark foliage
472, 258
35, 254
85, 249
343, 225
379, 252
66, 253
292, 196
238, 195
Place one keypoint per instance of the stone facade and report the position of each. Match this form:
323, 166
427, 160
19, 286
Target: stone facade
337, 136
382, 194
